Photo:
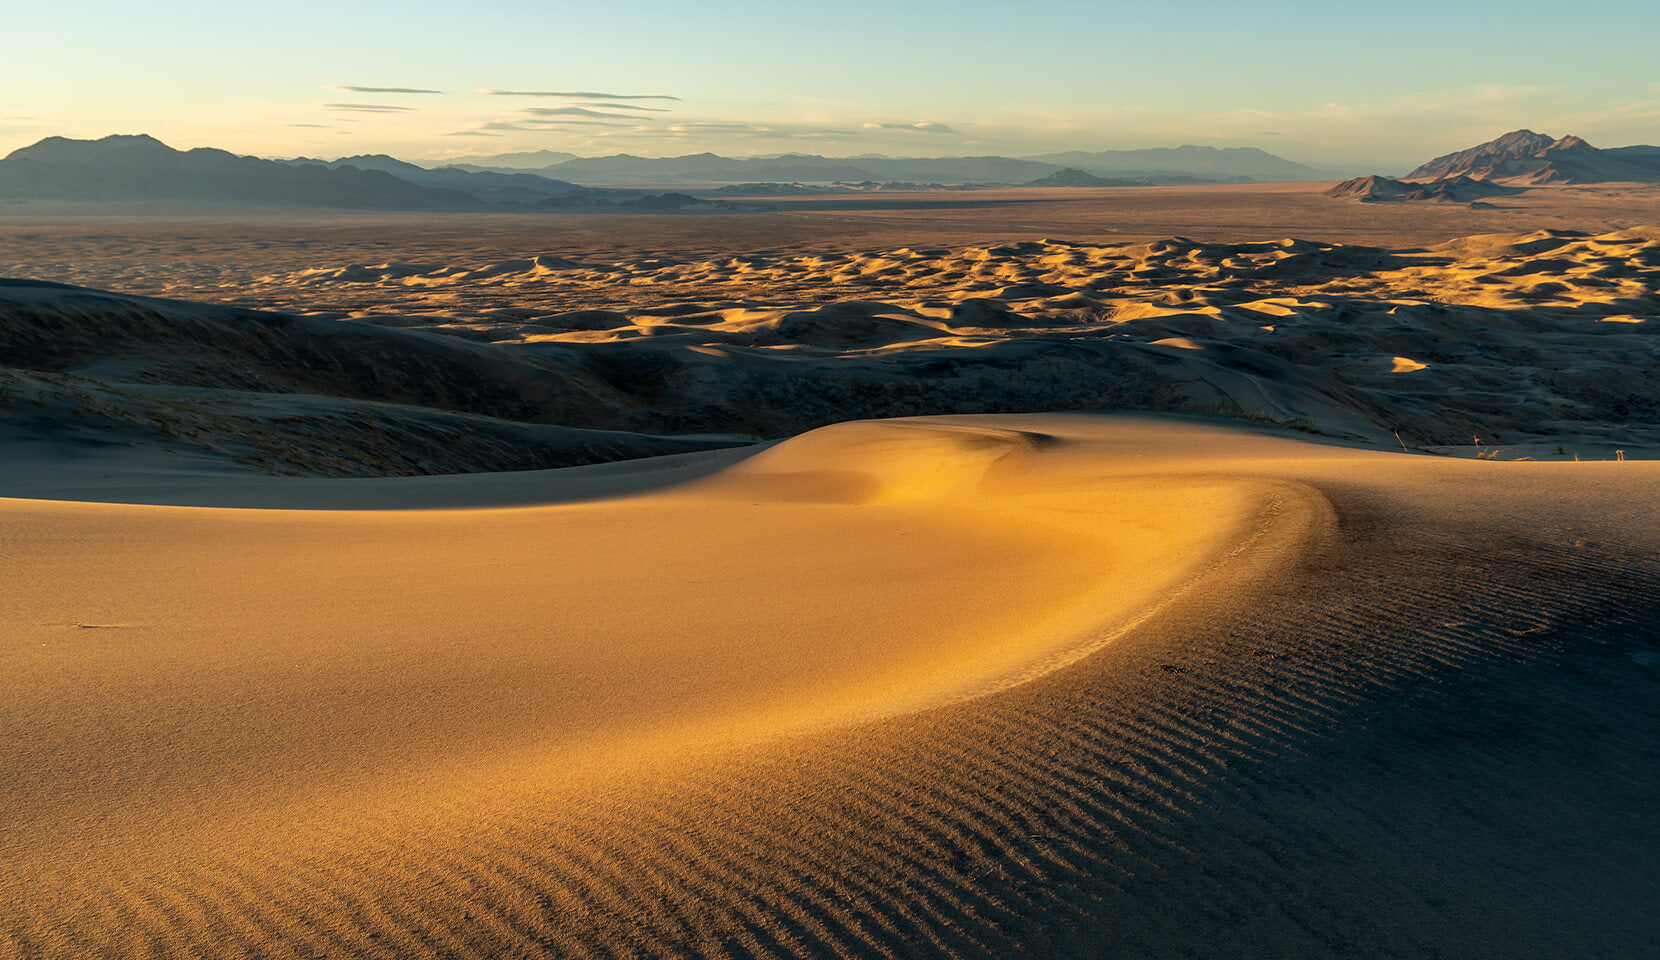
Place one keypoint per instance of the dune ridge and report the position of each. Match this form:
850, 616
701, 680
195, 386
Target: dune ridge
1542, 340
1253, 762
860, 484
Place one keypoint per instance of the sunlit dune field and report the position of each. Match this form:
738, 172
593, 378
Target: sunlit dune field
463, 344
1130, 572
214, 255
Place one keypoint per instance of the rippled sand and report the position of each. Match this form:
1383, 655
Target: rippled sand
946, 687
980, 685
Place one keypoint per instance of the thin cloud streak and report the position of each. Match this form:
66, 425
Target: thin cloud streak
576, 112
350, 89
368, 107
625, 106
577, 94
924, 126
752, 130
544, 123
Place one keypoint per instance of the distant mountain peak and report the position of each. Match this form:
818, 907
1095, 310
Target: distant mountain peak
1071, 177
137, 168
1381, 189
1526, 157
1201, 163
68, 150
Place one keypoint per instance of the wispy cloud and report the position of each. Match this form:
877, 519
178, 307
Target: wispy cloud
625, 106
471, 133
755, 130
542, 123
577, 94
368, 107
319, 126
925, 126
351, 89
575, 112
22, 124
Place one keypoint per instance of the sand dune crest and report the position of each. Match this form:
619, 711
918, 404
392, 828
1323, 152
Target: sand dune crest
445, 646
949, 686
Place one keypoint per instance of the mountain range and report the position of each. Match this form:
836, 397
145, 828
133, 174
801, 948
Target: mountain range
486, 185
1523, 158
1185, 164
142, 169
139, 168
1518, 159
1454, 189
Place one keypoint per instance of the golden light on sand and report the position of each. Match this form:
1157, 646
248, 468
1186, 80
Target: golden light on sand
464, 677
309, 651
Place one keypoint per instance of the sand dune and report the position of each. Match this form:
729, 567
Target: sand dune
444, 644
1540, 342
929, 686
982, 685
1294, 331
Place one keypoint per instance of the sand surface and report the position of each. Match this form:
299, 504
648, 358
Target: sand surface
214, 255
976, 686
291, 673
1539, 344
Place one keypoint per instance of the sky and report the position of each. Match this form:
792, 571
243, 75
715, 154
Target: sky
1345, 87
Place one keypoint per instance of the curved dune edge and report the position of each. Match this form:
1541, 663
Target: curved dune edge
1154, 798
196, 675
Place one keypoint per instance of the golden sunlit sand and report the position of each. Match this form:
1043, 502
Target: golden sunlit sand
885, 685
303, 660
890, 481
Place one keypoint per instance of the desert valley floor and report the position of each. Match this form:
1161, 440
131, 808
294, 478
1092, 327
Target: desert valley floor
1144, 572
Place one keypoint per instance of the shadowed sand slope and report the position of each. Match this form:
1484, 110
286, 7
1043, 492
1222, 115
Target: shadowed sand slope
1545, 338
1052, 685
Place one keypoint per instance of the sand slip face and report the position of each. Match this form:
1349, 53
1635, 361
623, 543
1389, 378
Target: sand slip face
182, 674
950, 687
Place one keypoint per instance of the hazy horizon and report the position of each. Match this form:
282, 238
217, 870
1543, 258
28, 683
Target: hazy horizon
1345, 89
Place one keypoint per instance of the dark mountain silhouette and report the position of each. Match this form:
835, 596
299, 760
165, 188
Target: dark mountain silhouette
143, 169
954, 170
1642, 155
489, 186
703, 167
1068, 177
1187, 161
1523, 157
1177, 165
1380, 189
1518, 159
524, 161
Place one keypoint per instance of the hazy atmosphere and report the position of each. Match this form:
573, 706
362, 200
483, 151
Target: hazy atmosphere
1336, 85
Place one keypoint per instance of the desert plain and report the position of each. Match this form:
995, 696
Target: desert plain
1158, 571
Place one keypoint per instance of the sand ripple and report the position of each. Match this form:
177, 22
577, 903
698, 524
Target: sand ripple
765, 714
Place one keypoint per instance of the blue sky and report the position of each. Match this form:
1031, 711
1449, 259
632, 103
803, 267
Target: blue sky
1338, 85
